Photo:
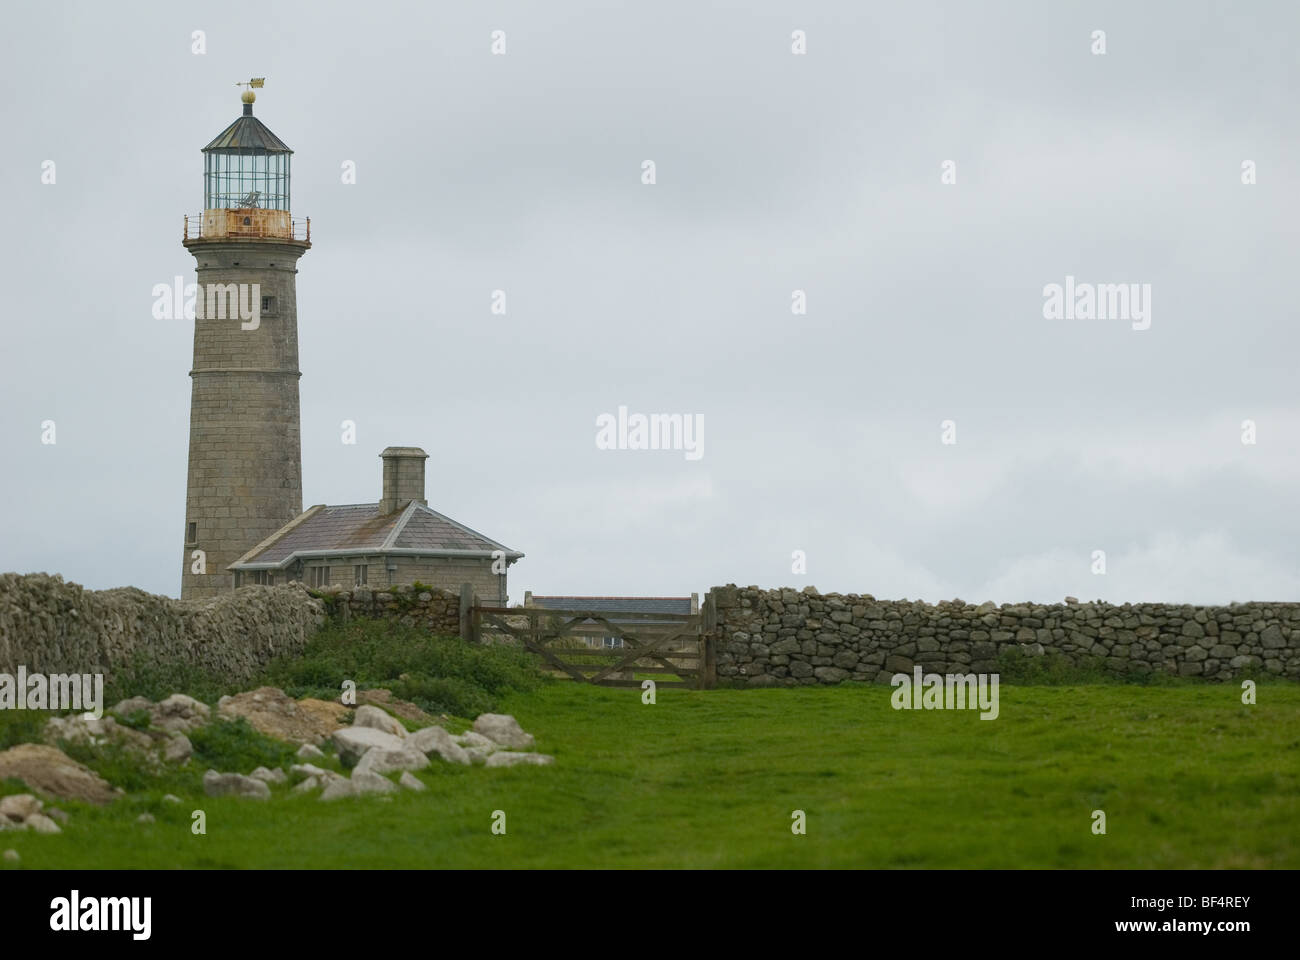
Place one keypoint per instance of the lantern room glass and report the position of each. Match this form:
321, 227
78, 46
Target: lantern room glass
242, 180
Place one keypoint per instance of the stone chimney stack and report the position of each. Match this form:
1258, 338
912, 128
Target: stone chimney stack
403, 478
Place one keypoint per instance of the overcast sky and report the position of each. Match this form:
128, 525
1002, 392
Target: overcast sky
775, 172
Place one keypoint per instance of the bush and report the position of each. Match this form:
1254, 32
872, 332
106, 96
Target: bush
235, 747
438, 674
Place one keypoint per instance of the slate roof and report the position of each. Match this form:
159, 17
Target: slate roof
247, 135
617, 605
359, 528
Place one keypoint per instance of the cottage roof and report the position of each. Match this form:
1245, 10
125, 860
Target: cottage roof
359, 528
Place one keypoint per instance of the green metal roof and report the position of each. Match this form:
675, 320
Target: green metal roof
247, 135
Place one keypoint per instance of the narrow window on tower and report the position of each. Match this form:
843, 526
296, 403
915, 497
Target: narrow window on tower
192, 532
268, 306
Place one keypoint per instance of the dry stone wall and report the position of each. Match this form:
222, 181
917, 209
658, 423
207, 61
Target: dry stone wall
50, 626
787, 637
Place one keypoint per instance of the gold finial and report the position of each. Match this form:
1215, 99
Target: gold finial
248, 96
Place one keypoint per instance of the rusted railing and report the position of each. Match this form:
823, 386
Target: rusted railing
298, 229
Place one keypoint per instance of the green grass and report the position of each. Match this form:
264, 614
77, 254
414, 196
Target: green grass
1188, 778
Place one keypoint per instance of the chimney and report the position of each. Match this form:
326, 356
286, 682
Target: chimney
403, 478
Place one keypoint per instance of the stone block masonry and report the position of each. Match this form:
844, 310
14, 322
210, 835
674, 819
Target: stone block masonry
788, 638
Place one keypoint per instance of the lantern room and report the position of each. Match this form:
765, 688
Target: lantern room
246, 181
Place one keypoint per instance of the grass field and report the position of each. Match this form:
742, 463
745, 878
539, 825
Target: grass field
1188, 777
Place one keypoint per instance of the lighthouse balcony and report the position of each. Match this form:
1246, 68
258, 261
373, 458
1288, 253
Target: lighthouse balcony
253, 223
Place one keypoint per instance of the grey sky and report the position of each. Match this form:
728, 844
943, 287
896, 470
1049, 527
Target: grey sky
775, 172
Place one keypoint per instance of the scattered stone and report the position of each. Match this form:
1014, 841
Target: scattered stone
399, 708
274, 713
382, 760
439, 741
353, 742
42, 824
178, 748
470, 739
131, 705
306, 770
310, 752
411, 782
503, 729
505, 758
57, 815
51, 771
19, 807
171, 798
270, 776
12, 856
367, 782
376, 719
146, 818
180, 713
234, 785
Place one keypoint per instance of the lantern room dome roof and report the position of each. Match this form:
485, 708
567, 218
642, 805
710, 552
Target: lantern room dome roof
247, 135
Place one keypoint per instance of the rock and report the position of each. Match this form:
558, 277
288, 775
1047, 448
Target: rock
57, 815
479, 755
335, 789
51, 771
367, 782
505, 758
311, 783
310, 752
171, 798
146, 818
179, 713
132, 705
503, 729
178, 748
382, 760
306, 770
42, 824
11, 856
326, 715
363, 782
411, 782
234, 785
269, 776
376, 719
470, 739
274, 713
19, 807
353, 742
398, 708
439, 741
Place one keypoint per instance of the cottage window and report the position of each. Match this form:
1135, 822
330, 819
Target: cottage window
613, 643
360, 574
320, 576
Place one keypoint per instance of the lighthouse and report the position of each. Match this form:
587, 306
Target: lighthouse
245, 455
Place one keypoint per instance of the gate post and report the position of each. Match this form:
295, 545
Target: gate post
708, 644
467, 631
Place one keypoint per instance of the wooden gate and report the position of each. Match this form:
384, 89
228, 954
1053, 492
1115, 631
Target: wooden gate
669, 648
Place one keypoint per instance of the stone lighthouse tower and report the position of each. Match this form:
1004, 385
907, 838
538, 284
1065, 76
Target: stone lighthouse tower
245, 465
